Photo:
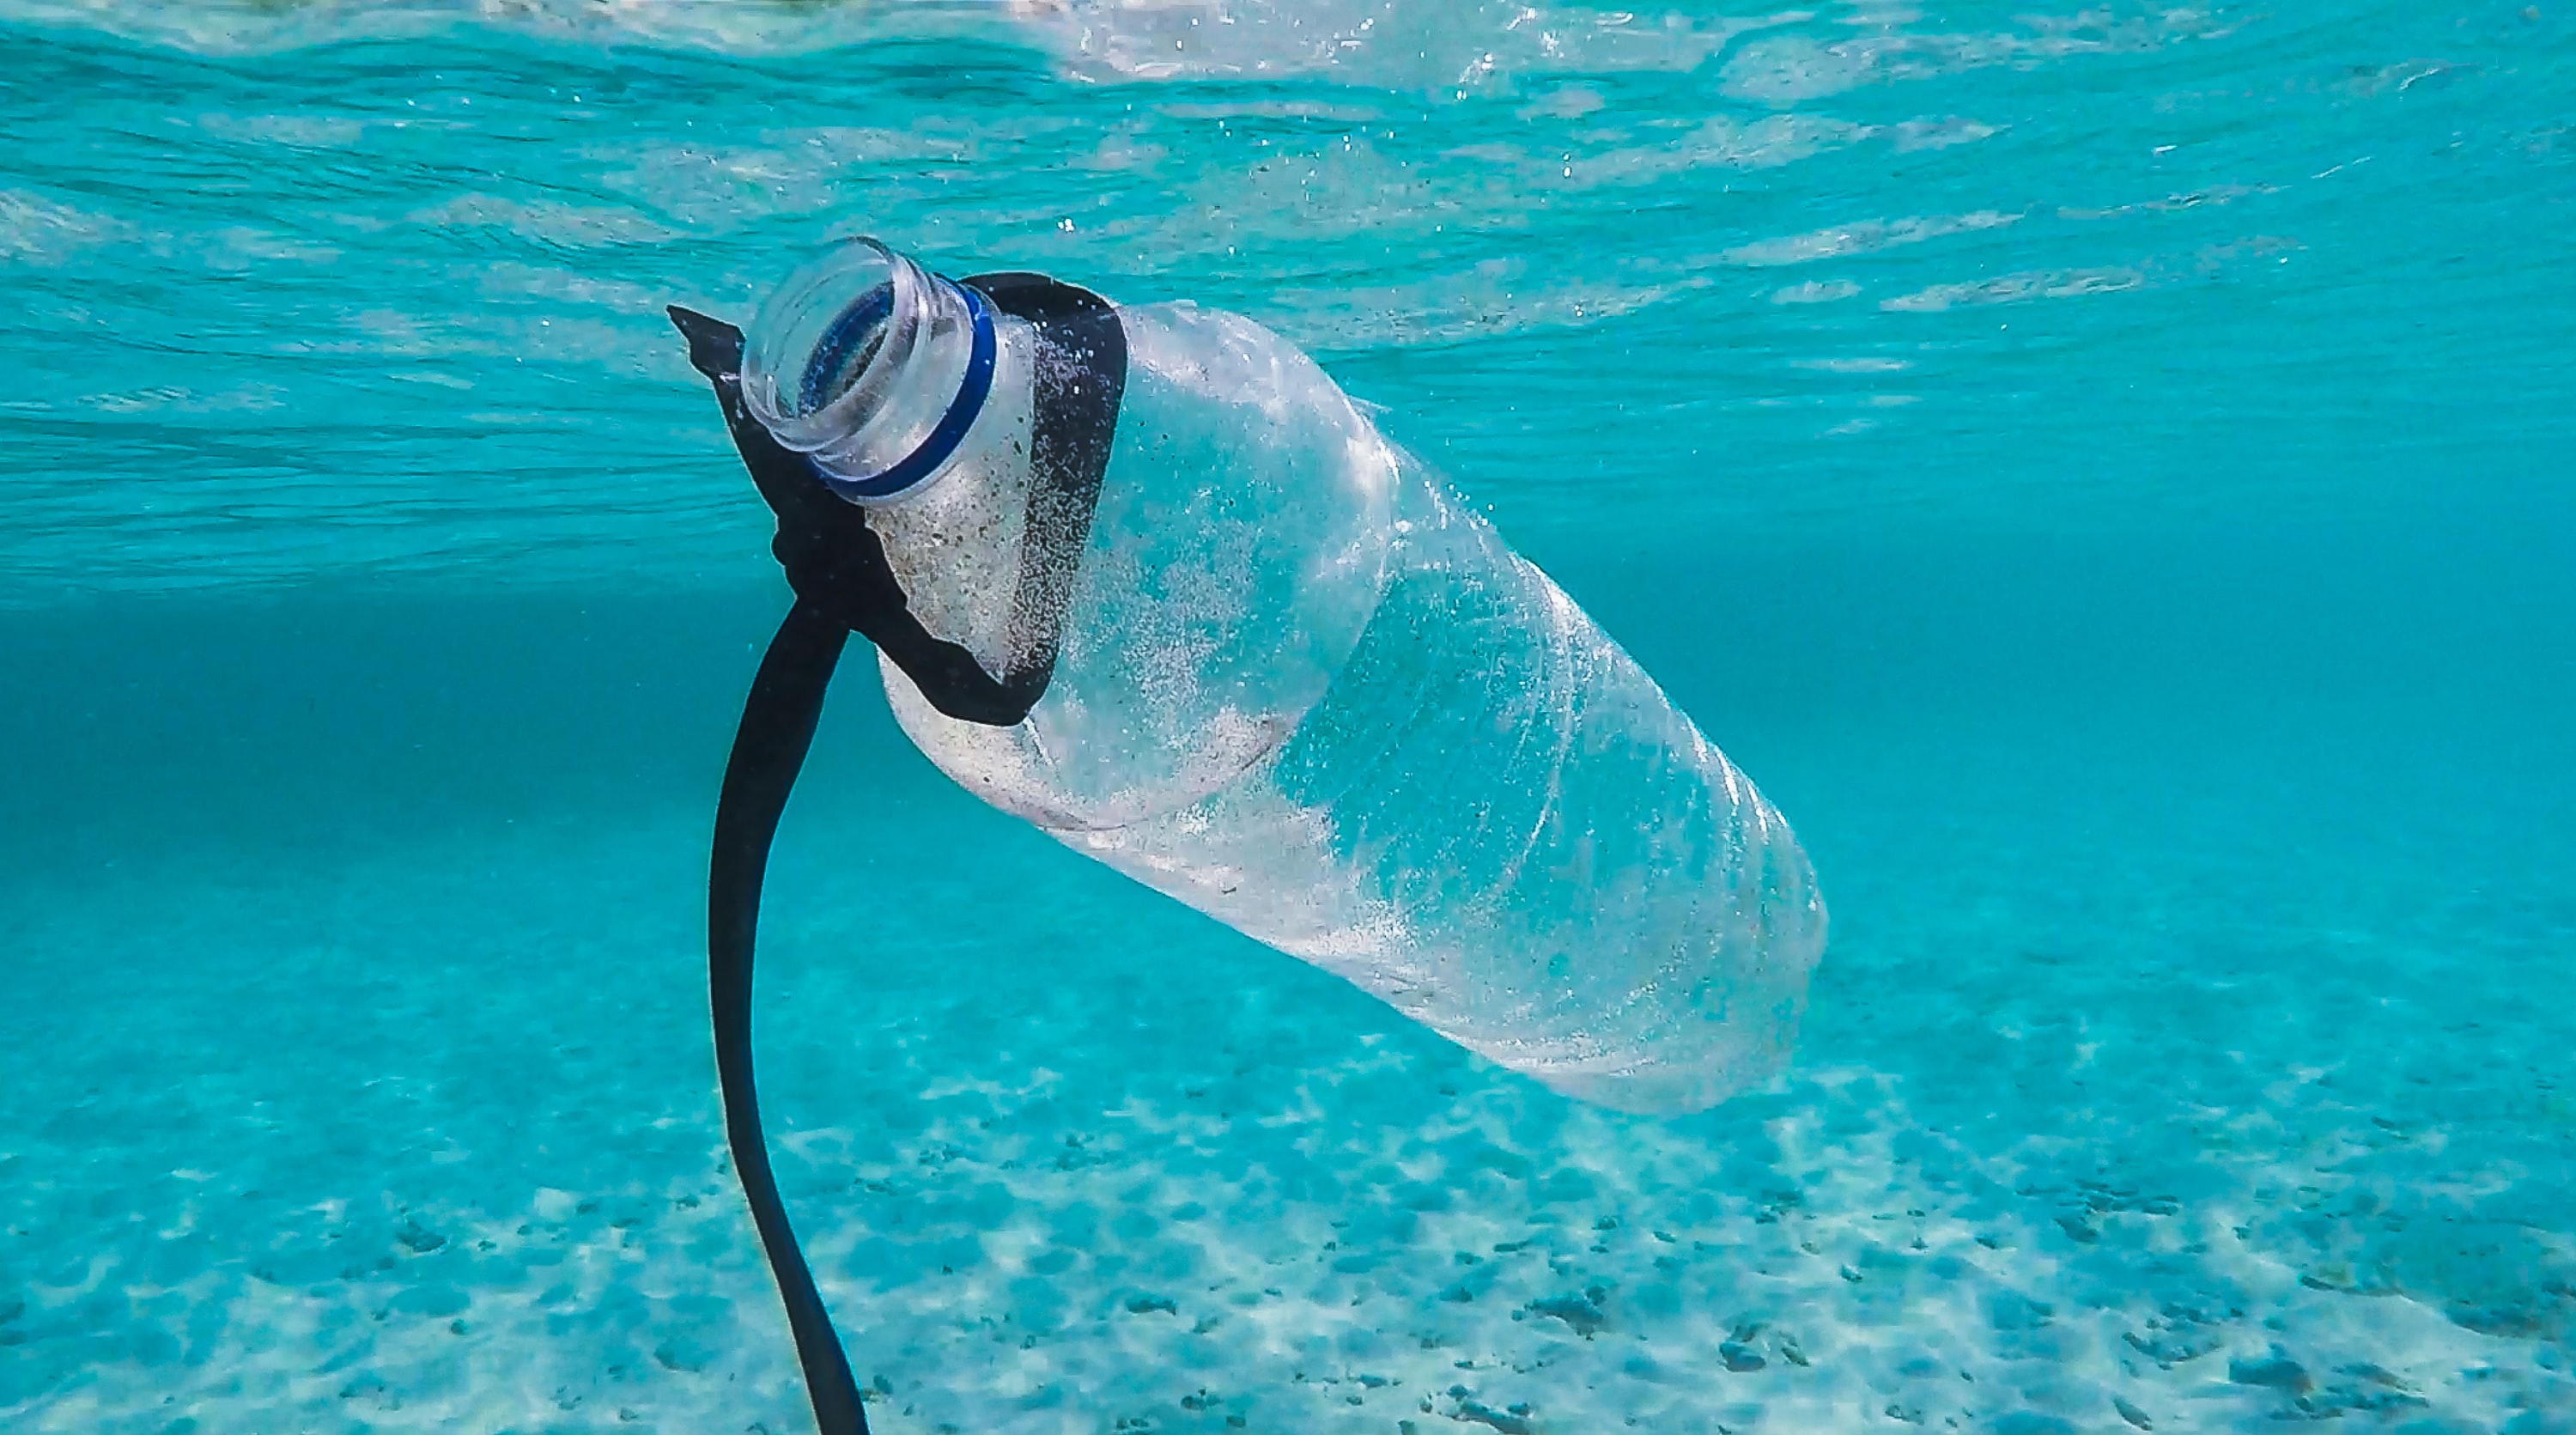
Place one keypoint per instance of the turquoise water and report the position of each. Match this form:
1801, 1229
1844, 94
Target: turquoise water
2106, 475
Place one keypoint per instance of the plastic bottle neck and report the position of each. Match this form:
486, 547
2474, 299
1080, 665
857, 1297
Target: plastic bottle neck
873, 367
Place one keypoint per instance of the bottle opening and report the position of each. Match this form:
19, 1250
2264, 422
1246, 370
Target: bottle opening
870, 365
842, 354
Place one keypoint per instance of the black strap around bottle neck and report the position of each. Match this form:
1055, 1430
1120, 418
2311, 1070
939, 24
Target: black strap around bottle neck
837, 566
837, 562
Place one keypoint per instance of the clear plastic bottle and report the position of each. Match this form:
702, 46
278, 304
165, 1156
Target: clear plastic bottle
1303, 688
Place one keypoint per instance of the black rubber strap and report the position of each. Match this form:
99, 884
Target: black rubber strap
843, 584
768, 751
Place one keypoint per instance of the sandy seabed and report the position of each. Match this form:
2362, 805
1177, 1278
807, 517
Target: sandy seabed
2093, 1128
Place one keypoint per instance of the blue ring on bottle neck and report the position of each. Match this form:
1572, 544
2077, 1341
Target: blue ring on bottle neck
833, 349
